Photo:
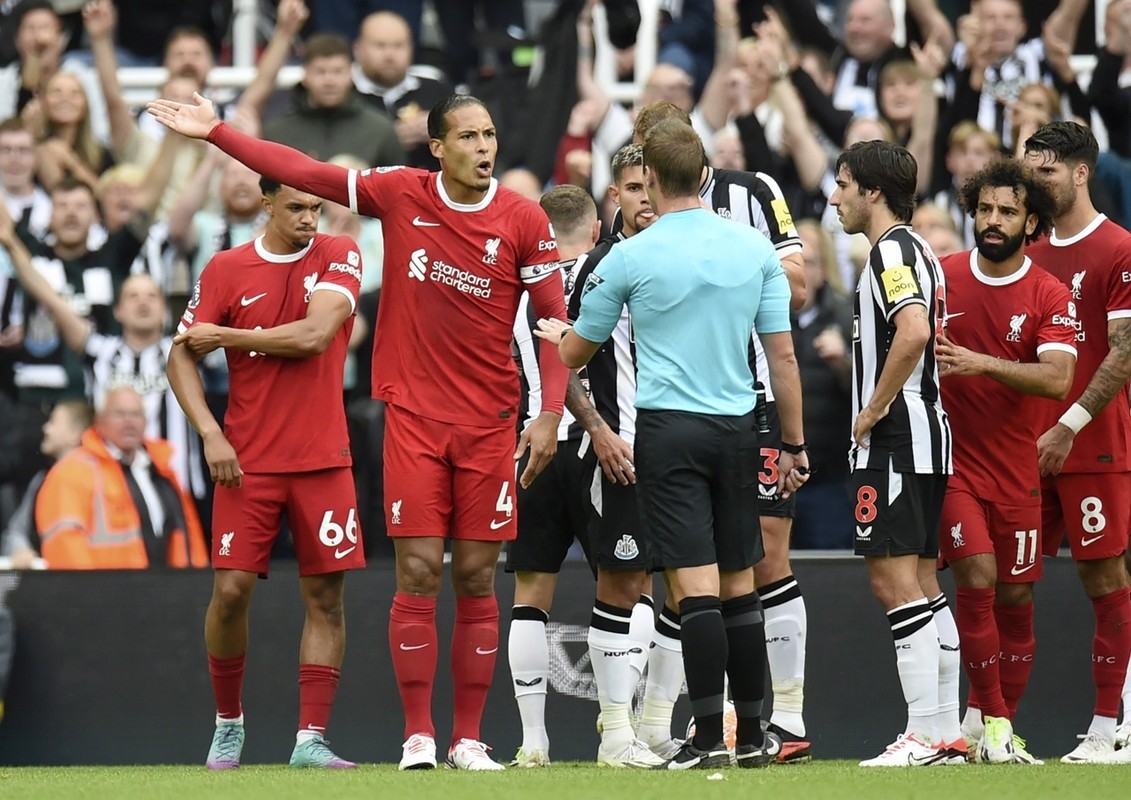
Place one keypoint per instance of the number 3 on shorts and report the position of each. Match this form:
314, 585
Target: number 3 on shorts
331, 533
505, 503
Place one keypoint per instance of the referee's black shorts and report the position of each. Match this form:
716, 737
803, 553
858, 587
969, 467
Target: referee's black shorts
697, 479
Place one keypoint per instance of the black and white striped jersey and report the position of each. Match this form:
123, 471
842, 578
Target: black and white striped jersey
610, 376
111, 362
1003, 84
915, 434
754, 199
529, 347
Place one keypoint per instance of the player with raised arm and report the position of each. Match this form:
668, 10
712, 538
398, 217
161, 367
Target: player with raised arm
459, 252
1010, 338
1085, 450
900, 454
282, 306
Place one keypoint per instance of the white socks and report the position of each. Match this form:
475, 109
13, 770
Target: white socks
787, 627
917, 659
665, 680
947, 726
529, 657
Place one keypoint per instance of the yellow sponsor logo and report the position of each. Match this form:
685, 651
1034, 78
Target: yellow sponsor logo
899, 283
782, 215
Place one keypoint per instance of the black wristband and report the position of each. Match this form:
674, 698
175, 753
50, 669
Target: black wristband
795, 449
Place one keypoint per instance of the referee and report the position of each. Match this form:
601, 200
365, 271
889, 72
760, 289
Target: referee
692, 306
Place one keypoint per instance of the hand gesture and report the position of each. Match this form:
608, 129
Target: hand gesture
1057, 52
931, 58
201, 339
793, 472
195, 120
1053, 448
552, 330
614, 455
223, 465
99, 18
585, 117
541, 436
863, 424
955, 360
830, 346
291, 16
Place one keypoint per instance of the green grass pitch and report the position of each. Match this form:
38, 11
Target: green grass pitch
822, 779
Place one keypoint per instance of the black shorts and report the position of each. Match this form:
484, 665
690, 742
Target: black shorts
698, 488
770, 503
617, 540
897, 513
553, 512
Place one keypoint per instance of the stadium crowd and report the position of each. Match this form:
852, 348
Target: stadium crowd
109, 223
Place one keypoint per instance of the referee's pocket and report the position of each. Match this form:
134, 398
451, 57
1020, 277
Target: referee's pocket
748, 459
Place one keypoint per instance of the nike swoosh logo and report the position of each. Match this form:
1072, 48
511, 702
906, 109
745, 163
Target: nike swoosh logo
247, 301
343, 553
495, 524
1022, 570
928, 759
418, 222
413, 646
483, 652
1093, 540
948, 317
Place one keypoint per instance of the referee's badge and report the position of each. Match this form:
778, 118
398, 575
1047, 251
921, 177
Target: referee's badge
626, 548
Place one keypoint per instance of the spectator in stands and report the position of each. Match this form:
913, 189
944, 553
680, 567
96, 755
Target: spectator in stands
994, 61
145, 26
727, 150
88, 279
868, 46
347, 17
935, 225
114, 502
135, 358
40, 43
67, 146
521, 180
62, 433
384, 74
687, 38
969, 149
25, 200
469, 27
1107, 92
822, 337
327, 117
127, 141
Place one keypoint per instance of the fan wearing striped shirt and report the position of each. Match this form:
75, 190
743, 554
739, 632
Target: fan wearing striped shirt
901, 437
136, 357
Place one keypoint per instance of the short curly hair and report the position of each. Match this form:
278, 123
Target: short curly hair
1012, 174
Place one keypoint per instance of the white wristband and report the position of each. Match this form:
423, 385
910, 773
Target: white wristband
1075, 418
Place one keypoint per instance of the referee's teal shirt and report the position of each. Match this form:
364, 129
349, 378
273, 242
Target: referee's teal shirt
695, 285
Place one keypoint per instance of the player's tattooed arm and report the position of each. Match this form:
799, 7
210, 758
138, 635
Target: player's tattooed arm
613, 452
1113, 372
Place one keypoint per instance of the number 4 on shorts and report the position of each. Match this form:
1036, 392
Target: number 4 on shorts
505, 502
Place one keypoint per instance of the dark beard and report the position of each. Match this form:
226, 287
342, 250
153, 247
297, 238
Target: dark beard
998, 252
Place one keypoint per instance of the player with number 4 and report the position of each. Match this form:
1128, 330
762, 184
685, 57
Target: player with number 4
282, 306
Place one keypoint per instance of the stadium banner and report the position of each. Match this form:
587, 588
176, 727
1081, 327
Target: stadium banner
111, 666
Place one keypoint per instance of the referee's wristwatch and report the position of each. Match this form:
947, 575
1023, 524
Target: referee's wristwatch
565, 330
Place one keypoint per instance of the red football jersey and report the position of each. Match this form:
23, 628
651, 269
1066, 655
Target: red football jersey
284, 414
1095, 265
454, 274
995, 428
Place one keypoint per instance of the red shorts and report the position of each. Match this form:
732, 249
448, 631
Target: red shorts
321, 507
448, 480
1093, 508
972, 526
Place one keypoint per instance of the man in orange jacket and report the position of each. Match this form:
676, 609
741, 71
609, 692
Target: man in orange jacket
114, 502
